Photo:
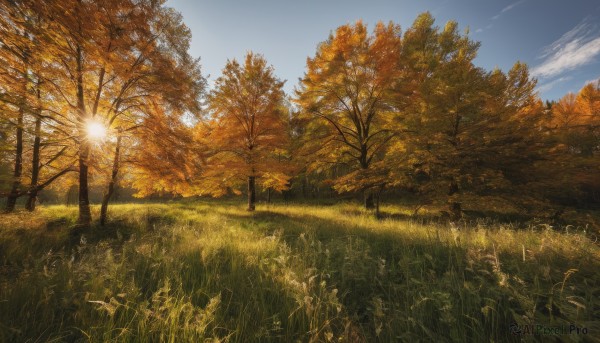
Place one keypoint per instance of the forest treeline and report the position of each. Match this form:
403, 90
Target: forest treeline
381, 110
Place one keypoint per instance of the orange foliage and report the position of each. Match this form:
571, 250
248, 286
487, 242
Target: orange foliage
247, 133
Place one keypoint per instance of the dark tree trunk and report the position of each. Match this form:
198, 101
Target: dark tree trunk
39, 187
85, 216
251, 193
368, 199
35, 161
11, 201
31, 200
111, 185
454, 207
269, 195
456, 210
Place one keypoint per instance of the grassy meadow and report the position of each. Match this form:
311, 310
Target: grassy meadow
213, 272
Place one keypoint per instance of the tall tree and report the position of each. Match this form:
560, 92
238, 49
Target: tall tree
107, 59
248, 129
574, 132
471, 129
79, 42
15, 53
51, 154
349, 91
159, 72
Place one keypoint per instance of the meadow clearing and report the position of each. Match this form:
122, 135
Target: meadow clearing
482, 137
209, 271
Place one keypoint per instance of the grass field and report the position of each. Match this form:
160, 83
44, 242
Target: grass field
210, 271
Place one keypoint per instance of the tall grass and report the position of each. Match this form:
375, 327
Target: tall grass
195, 272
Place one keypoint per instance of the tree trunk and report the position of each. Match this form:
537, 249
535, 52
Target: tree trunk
269, 195
85, 216
251, 193
31, 200
111, 185
456, 210
368, 200
454, 207
11, 201
35, 161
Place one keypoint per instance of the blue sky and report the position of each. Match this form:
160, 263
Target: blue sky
559, 40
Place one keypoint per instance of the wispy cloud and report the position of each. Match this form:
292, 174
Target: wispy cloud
592, 81
574, 49
487, 27
511, 6
507, 8
549, 85
504, 10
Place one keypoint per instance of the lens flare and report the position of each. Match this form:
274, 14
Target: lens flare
96, 130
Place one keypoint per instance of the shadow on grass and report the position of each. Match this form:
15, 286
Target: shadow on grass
431, 261
393, 286
253, 301
366, 265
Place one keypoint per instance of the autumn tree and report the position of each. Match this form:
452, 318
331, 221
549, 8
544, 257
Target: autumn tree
106, 59
350, 93
588, 123
159, 80
588, 102
25, 97
472, 130
76, 39
165, 157
16, 46
247, 131
76, 64
574, 132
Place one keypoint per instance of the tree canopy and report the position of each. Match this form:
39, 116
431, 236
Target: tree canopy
105, 93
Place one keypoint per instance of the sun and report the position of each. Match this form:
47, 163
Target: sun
95, 130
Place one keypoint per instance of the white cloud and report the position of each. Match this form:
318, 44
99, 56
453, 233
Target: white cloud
573, 55
585, 28
574, 49
549, 85
511, 6
507, 8
592, 81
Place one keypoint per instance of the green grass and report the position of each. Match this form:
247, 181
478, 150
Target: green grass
210, 271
